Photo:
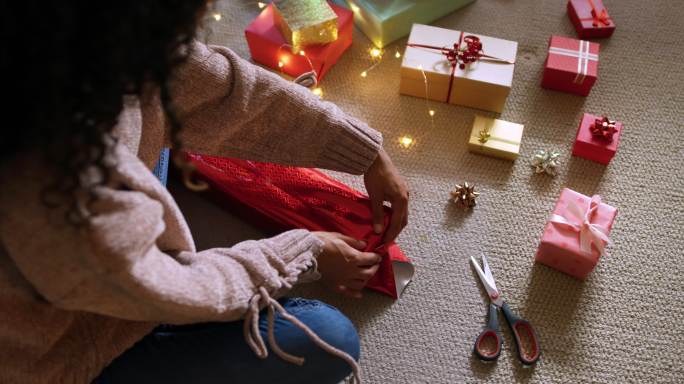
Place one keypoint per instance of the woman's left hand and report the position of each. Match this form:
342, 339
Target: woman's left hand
383, 183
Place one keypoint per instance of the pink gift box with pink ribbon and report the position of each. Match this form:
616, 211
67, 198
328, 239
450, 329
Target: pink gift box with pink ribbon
590, 18
571, 65
576, 234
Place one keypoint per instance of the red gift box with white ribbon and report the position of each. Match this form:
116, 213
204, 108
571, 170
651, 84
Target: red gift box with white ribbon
268, 46
590, 18
571, 65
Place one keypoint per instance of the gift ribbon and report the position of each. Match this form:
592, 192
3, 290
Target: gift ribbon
308, 79
461, 57
588, 232
583, 57
485, 136
603, 128
597, 18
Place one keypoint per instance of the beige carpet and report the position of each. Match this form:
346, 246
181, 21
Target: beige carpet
624, 323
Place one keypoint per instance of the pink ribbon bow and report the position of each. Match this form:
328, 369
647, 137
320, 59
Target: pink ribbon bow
588, 232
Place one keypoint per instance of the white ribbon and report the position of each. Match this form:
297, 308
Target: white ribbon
588, 232
583, 57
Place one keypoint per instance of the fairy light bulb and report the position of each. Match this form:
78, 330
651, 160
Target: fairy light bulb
302, 53
280, 64
406, 141
375, 53
217, 16
364, 74
317, 91
261, 5
431, 112
397, 54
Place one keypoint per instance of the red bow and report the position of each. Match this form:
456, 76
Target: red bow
603, 128
597, 17
471, 53
458, 56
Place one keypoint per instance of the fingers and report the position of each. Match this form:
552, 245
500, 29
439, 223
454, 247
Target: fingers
399, 218
378, 212
350, 292
364, 259
354, 243
368, 272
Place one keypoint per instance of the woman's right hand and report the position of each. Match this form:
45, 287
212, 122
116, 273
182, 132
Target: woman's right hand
343, 265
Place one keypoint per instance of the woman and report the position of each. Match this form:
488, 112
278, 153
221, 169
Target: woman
94, 253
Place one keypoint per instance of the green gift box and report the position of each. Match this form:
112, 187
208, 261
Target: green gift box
385, 21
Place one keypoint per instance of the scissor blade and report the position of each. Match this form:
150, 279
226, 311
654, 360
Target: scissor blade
489, 287
488, 273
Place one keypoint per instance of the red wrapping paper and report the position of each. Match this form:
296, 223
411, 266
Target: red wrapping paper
276, 198
571, 65
265, 43
588, 24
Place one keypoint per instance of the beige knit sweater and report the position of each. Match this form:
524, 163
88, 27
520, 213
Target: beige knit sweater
73, 298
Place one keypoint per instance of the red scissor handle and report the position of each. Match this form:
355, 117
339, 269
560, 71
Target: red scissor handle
488, 344
525, 337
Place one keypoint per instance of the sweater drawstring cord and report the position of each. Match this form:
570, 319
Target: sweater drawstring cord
256, 342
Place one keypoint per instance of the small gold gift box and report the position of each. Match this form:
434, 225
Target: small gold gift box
494, 137
305, 22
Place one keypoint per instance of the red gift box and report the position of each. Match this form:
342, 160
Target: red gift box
571, 65
576, 234
593, 145
268, 46
590, 18
277, 198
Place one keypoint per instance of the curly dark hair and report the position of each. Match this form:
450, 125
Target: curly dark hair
68, 65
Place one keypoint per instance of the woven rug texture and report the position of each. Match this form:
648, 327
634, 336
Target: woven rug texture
625, 322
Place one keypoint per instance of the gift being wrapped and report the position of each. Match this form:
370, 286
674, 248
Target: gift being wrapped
268, 46
590, 18
277, 198
458, 67
571, 65
305, 23
576, 234
385, 21
494, 137
597, 138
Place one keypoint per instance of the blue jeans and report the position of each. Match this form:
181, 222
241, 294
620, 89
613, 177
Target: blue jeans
217, 353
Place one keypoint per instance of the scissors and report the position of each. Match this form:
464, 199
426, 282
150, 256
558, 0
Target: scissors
521, 329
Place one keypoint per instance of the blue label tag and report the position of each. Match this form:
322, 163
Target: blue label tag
161, 170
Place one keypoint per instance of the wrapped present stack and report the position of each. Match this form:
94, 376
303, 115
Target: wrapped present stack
298, 37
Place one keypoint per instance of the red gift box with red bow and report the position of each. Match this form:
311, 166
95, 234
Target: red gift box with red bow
268, 46
590, 18
597, 138
571, 65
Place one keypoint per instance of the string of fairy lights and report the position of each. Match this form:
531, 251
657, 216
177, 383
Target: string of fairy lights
376, 56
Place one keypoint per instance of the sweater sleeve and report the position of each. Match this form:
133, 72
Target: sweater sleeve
230, 107
113, 264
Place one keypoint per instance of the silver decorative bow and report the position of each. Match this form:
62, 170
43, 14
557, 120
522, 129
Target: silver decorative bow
546, 161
